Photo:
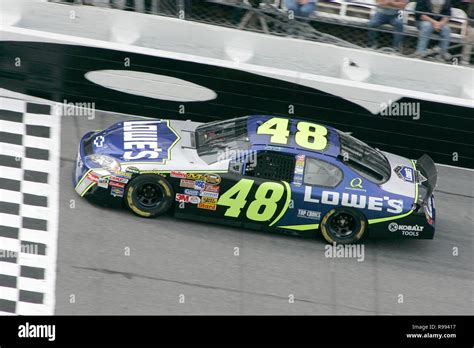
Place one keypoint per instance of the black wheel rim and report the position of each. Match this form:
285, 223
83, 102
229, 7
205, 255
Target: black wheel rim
148, 195
343, 225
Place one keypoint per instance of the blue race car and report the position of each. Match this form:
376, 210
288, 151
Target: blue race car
259, 172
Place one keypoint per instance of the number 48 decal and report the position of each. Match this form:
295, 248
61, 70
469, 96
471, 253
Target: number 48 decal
308, 135
264, 205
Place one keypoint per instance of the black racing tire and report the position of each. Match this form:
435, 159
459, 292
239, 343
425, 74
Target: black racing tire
149, 195
343, 226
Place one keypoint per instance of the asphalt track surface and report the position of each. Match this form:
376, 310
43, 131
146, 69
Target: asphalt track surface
171, 257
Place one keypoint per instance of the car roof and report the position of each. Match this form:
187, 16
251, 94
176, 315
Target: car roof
260, 142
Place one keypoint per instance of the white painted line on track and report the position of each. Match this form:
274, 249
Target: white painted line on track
29, 194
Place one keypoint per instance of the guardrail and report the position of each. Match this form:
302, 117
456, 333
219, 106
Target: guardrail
343, 23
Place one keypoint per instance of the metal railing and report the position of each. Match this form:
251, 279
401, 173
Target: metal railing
342, 23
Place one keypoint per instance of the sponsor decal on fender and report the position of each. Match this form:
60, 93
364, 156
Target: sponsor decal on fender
406, 230
132, 170
309, 214
116, 184
103, 182
199, 185
209, 194
118, 179
207, 206
117, 191
213, 179
195, 176
180, 197
186, 183
178, 174
209, 200
93, 177
191, 192
194, 199
211, 188
123, 174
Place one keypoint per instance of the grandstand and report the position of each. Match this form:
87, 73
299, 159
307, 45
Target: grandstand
342, 23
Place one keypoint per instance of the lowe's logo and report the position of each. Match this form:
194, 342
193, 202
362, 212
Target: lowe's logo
148, 140
354, 200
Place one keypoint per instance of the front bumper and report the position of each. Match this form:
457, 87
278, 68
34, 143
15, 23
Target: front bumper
92, 182
84, 177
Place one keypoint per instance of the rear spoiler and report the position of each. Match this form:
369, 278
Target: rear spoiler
429, 175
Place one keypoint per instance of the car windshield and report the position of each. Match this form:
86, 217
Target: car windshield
365, 160
220, 140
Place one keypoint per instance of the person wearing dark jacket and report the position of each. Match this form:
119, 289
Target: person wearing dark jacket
434, 18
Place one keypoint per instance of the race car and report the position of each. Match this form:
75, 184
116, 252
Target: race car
259, 172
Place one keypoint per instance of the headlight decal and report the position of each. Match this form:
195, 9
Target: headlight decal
106, 162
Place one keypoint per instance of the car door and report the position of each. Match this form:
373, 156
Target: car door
256, 192
319, 191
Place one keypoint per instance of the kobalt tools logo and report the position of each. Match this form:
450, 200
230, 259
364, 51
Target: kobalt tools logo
393, 227
355, 201
150, 140
406, 230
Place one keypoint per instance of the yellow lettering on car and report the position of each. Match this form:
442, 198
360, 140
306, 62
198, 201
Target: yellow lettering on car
309, 135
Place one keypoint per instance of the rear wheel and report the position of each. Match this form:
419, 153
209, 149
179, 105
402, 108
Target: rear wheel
149, 195
343, 226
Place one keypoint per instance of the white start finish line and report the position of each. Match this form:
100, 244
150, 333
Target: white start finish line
29, 188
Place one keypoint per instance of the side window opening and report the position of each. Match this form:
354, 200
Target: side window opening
321, 173
364, 171
366, 161
271, 165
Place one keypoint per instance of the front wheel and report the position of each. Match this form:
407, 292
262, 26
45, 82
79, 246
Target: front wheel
343, 226
149, 195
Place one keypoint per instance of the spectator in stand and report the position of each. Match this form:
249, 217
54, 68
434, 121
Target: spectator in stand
435, 18
388, 12
301, 8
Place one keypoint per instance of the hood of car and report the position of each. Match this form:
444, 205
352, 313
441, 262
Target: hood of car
155, 144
